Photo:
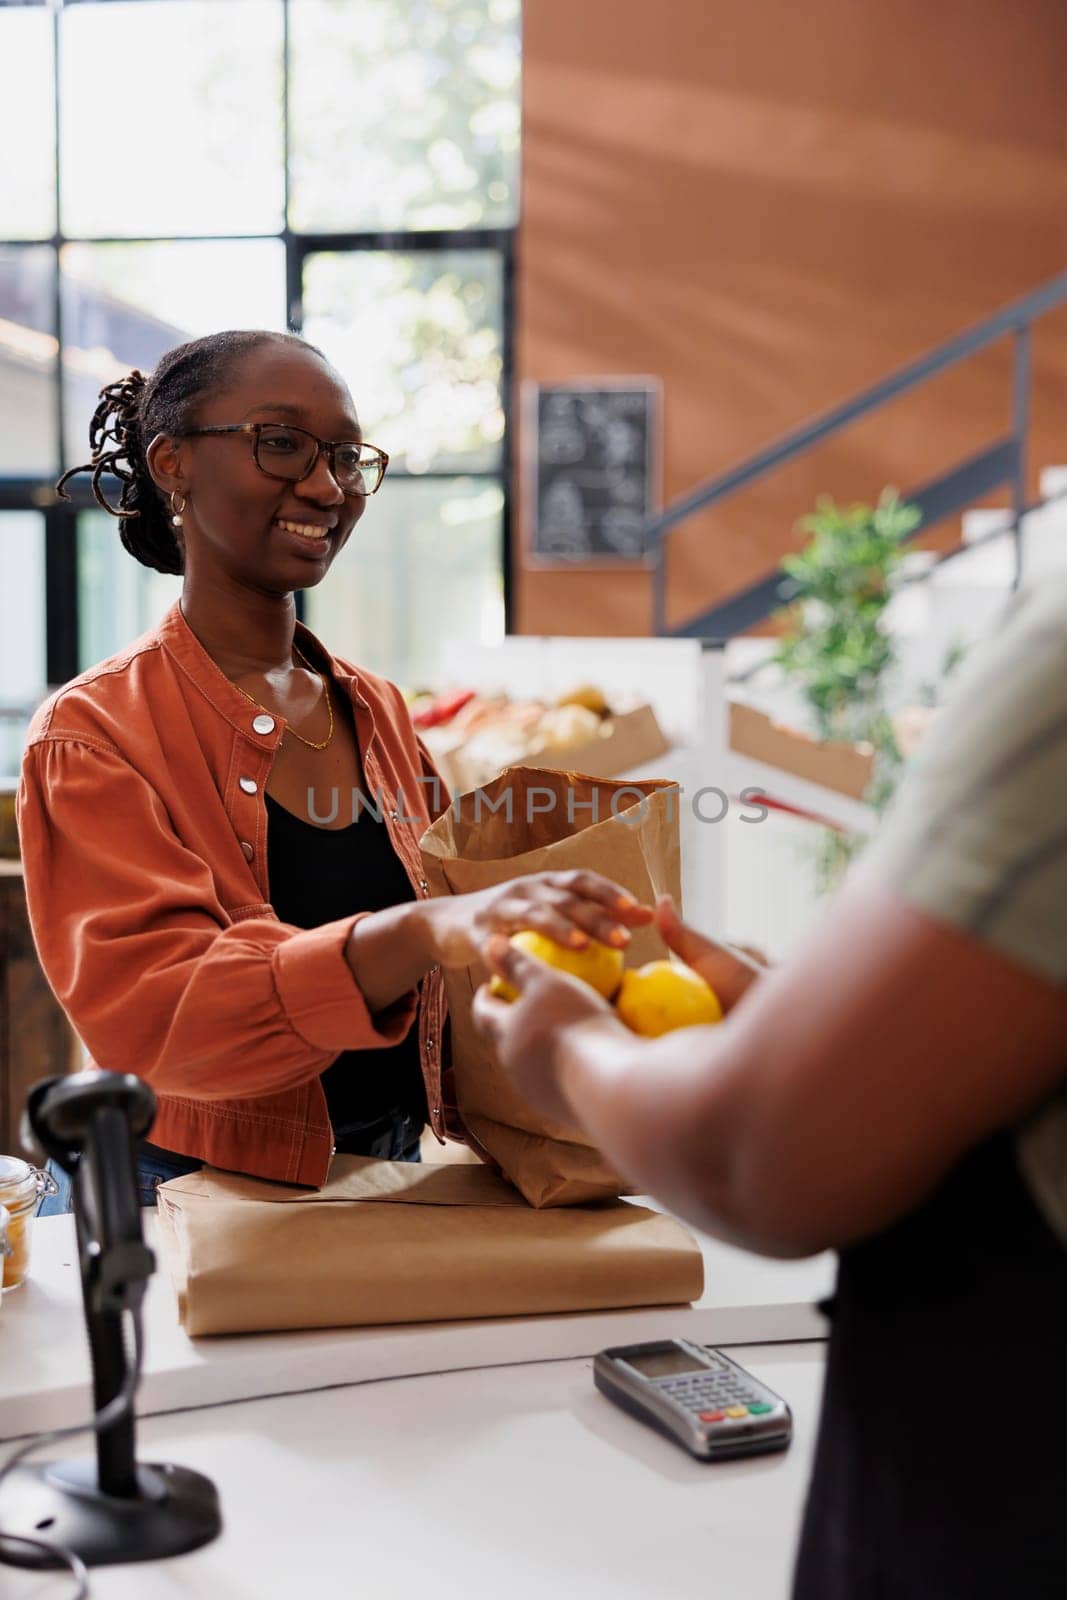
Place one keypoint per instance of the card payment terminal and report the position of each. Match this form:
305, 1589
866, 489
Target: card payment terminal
699, 1397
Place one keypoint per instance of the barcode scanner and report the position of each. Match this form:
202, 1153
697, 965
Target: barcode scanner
109, 1508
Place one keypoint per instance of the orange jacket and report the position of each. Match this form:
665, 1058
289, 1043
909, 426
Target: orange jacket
143, 834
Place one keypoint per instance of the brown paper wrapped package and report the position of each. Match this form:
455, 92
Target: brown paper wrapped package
387, 1241
557, 821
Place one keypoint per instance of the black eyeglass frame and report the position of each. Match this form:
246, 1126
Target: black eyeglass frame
322, 447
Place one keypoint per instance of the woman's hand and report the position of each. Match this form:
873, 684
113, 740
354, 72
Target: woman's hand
526, 1032
729, 970
569, 907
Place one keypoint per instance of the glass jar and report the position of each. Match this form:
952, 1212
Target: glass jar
21, 1186
5, 1248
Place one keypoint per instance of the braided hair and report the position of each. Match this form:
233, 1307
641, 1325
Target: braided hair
133, 411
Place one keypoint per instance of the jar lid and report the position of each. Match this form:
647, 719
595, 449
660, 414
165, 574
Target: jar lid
18, 1179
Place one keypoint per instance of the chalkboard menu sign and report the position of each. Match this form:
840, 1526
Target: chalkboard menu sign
595, 460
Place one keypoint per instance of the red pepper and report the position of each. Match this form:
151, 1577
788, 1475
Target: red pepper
443, 709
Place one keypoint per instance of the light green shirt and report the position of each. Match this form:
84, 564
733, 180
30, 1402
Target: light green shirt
977, 836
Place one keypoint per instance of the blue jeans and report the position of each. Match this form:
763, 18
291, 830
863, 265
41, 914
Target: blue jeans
154, 1167
400, 1142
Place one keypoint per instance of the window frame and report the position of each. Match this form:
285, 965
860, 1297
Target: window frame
61, 518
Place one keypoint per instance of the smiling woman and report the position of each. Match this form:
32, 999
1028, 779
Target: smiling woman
276, 980
141, 428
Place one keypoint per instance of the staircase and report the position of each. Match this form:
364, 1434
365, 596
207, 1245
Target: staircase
1003, 463
763, 879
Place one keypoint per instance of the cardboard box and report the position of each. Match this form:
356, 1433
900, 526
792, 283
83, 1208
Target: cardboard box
627, 739
846, 768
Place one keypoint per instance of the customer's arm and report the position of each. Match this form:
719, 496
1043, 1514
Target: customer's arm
389, 951
158, 977
927, 1010
161, 979
831, 1099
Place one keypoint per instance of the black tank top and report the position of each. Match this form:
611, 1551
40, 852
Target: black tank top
940, 1469
319, 875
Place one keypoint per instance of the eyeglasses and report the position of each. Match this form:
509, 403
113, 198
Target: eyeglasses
282, 451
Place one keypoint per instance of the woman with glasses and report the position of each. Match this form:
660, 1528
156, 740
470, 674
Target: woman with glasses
220, 824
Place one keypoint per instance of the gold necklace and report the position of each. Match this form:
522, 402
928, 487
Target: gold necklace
311, 744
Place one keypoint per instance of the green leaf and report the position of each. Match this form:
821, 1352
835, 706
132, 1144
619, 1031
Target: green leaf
836, 649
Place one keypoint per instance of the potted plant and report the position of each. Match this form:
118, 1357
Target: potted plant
837, 649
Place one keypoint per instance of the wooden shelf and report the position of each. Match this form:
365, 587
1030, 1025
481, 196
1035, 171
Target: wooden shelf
36, 1040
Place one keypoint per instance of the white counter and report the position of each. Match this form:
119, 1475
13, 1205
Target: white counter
517, 1481
44, 1375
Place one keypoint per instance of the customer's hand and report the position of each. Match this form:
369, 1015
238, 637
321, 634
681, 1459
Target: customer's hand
525, 1033
729, 969
570, 907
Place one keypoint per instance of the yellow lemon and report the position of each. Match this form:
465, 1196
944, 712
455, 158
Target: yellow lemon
596, 964
664, 995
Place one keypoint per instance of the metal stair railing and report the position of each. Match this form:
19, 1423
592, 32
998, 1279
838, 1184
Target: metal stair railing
1002, 462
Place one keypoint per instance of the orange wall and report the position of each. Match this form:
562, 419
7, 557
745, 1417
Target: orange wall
770, 204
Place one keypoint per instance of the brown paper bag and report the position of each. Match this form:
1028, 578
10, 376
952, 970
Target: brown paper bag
549, 825
392, 1241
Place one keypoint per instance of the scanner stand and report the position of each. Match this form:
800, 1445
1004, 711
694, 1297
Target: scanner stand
111, 1508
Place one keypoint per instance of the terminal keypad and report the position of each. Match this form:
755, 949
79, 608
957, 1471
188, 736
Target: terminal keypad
715, 1396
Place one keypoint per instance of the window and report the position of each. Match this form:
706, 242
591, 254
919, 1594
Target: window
417, 335
121, 598
403, 116
27, 123
418, 339
28, 360
213, 161
22, 615
348, 171
421, 558
124, 305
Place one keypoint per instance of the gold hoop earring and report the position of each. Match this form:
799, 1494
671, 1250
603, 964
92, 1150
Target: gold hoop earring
176, 517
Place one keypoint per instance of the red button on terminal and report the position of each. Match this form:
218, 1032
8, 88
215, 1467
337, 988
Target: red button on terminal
713, 1416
